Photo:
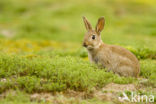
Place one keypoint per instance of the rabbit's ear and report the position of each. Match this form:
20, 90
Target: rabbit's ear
100, 25
87, 24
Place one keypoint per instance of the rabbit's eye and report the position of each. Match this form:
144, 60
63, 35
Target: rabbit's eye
93, 37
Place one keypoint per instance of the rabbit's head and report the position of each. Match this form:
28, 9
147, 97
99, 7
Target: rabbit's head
92, 38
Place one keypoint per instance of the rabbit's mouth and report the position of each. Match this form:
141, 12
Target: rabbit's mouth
90, 47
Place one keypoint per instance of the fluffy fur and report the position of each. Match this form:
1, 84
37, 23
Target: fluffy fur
113, 58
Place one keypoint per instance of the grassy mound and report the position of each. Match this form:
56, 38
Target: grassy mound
52, 73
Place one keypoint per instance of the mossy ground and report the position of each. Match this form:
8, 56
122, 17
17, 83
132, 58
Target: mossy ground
41, 47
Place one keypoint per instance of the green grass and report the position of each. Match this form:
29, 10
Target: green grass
41, 45
53, 73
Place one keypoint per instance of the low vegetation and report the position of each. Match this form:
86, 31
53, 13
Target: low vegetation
41, 51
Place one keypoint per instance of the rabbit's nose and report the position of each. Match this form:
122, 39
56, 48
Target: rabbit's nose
84, 44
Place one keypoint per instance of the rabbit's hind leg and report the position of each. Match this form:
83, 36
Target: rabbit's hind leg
125, 71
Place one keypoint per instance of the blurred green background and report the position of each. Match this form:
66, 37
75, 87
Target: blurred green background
128, 22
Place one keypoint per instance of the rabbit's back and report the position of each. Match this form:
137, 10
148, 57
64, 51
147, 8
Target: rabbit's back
128, 64
117, 59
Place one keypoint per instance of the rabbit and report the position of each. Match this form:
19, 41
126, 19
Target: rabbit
114, 58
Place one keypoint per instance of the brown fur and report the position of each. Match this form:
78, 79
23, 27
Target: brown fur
114, 58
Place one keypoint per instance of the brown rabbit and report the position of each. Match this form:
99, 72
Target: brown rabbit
113, 58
